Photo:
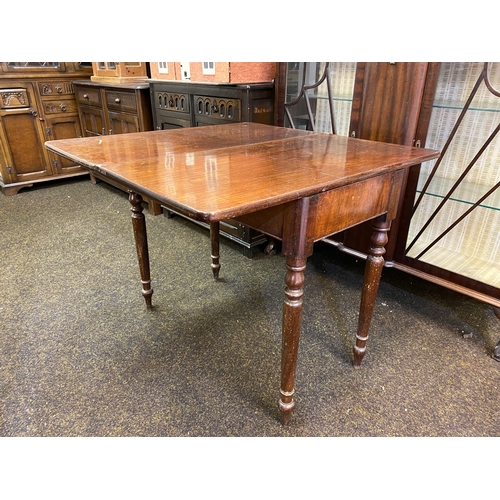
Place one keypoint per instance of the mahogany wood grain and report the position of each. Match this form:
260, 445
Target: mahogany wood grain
294, 185
392, 102
256, 166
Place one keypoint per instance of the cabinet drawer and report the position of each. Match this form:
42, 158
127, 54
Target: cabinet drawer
55, 88
14, 98
59, 106
87, 95
123, 101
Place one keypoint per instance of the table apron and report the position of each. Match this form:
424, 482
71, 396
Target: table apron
337, 209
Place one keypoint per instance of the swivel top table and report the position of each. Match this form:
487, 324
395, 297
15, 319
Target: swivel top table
293, 185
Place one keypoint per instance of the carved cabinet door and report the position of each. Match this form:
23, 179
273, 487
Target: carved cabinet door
123, 123
23, 157
62, 127
93, 121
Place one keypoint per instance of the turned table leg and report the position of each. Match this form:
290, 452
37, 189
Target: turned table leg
214, 241
141, 244
373, 272
292, 319
296, 247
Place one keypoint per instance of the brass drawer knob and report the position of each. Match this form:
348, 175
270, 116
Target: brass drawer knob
117, 100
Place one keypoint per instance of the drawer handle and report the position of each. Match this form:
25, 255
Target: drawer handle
34, 112
59, 88
85, 96
62, 106
117, 100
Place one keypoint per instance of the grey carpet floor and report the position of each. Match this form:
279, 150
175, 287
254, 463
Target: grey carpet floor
81, 355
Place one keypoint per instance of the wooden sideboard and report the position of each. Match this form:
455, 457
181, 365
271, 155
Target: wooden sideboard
178, 104
114, 108
37, 103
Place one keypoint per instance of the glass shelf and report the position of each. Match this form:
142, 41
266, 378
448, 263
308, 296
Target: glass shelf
460, 236
290, 98
460, 105
466, 192
486, 270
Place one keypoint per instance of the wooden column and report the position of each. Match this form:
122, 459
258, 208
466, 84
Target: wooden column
141, 244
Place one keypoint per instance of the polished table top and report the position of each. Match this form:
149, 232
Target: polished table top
219, 172
294, 185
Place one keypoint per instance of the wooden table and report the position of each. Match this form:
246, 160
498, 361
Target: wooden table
293, 185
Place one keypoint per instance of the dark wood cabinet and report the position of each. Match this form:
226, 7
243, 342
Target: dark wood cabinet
37, 103
113, 108
191, 104
92, 120
61, 119
178, 104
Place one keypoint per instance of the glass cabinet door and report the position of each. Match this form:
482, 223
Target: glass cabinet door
455, 222
319, 96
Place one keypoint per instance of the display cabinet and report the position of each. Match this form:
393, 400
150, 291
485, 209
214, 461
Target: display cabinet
178, 104
452, 224
37, 104
448, 225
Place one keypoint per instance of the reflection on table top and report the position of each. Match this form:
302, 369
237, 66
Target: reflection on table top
222, 171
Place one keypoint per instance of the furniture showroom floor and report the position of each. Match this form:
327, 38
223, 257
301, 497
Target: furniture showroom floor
82, 356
